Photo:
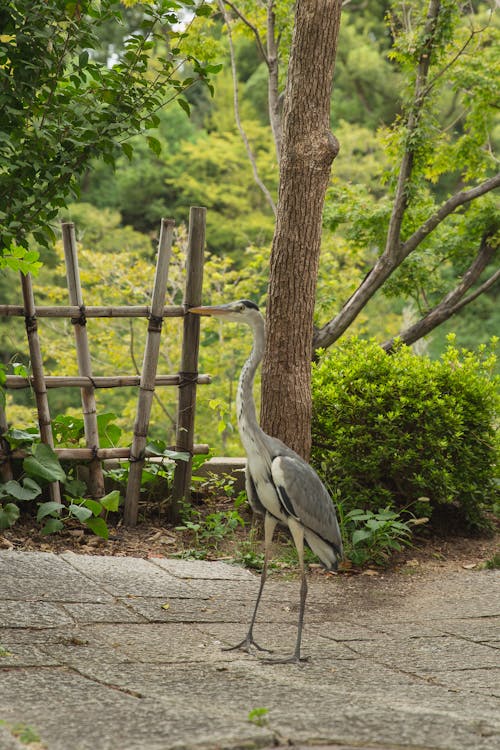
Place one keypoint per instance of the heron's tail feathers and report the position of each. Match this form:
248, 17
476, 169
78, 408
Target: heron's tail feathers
328, 553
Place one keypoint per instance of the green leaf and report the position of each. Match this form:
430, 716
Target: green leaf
47, 509
9, 513
153, 449
111, 501
98, 526
27, 491
80, 512
75, 487
213, 68
154, 144
185, 106
44, 464
128, 150
204, 10
93, 505
360, 535
51, 526
109, 433
17, 437
83, 59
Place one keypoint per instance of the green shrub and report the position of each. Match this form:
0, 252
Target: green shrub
402, 430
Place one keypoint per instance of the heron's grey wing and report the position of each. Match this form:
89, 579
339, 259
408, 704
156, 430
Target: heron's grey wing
304, 496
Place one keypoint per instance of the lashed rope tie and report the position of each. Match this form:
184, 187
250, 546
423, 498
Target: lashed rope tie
81, 320
155, 322
30, 322
187, 378
136, 459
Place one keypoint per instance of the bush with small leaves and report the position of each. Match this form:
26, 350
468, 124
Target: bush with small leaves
405, 431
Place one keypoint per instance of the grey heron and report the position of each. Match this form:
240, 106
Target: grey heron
280, 485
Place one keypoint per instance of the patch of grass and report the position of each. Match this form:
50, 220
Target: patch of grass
259, 716
25, 734
493, 563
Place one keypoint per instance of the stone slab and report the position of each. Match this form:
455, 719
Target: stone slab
394, 662
44, 576
32, 614
200, 571
130, 576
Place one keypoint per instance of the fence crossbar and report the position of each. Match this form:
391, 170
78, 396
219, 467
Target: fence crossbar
92, 311
17, 382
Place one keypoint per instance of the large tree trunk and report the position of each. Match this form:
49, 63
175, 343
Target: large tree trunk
308, 149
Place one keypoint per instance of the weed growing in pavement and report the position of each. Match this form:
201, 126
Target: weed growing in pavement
259, 716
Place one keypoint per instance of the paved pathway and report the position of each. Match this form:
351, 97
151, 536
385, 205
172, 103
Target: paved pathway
118, 653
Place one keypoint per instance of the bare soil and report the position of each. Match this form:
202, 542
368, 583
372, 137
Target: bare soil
153, 537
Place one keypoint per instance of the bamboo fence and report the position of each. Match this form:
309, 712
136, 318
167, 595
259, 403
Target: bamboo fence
186, 379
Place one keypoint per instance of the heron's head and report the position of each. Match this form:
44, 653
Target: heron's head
242, 311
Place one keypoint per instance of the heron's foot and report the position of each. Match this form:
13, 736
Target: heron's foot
246, 645
293, 659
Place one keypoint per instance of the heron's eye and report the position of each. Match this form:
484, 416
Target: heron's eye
241, 307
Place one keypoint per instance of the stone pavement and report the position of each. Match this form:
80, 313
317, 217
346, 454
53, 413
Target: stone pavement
120, 653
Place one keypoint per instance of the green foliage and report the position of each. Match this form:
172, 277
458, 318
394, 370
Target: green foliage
62, 106
390, 430
259, 716
372, 537
493, 563
41, 467
208, 530
23, 733
156, 476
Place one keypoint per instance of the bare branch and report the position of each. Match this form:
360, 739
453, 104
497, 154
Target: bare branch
243, 134
250, 25
440, 73
401, 196
447, 208
388, 262
454, 300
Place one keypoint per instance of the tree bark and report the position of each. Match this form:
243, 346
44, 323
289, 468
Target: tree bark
308, 149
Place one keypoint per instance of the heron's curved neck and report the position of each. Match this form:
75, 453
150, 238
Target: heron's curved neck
245, 404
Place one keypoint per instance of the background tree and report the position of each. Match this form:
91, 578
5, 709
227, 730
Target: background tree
441, 161
64, 102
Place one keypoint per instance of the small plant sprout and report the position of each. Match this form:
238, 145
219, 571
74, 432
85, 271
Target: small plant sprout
259, 716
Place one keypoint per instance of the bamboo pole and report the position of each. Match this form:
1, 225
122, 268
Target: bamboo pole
16, 382
96, 477
86, 454
148, 376
42, 403
5, 453
72, 311
189, 360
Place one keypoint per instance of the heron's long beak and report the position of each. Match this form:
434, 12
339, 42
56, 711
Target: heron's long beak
210, 310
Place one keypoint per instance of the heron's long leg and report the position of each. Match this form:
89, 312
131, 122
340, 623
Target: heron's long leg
245, 645
297, 532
